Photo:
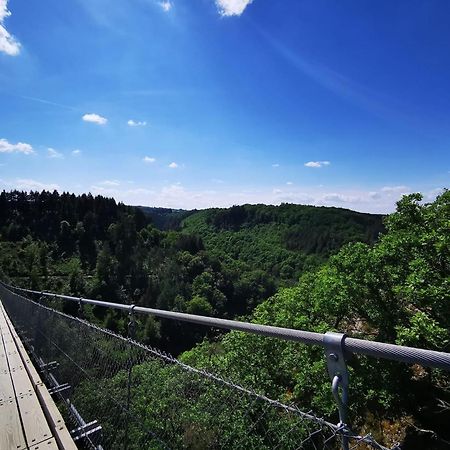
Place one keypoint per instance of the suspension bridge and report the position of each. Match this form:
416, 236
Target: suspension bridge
68, 384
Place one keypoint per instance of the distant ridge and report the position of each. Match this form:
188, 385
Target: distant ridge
165, 218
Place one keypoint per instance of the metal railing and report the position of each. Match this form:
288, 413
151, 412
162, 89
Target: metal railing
338, 348
400, 353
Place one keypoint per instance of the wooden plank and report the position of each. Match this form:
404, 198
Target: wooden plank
6, 388
11, 435
34, 422
61, 436
54, 417
14, 359
49, 444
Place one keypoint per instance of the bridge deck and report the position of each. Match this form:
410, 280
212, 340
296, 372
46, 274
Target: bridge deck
29, 418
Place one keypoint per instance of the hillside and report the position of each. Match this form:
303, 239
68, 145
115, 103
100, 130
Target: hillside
165, 218
284, 240
396, 291
302, 267
221, 262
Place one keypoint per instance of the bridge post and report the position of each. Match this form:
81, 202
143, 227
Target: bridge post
337, 370
80, 308
131, 335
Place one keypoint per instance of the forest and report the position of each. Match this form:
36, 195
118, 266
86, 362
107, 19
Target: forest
212, 262
311, 268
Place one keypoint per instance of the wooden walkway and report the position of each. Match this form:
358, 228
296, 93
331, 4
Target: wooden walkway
29, 418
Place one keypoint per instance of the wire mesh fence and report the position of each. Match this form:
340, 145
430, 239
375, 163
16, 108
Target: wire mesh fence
121, 394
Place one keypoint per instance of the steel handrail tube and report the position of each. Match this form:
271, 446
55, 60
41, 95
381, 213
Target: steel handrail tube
401, 353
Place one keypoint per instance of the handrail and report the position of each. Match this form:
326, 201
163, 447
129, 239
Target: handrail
401, 353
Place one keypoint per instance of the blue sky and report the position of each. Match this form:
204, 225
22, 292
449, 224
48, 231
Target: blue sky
198, 103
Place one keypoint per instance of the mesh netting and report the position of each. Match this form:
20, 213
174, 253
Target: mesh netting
121, 394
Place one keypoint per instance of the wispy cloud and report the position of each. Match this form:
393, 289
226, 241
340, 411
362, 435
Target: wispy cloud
166, 5
336, 82
341, 198
432, 194
47, 102
317, 164
133, 123
20, 147
275, 165
76, 152
52, 153
394, 189
28, 184
109, 183
232, 7
176, 195
8, 43
148, 159
95, 118
173, 165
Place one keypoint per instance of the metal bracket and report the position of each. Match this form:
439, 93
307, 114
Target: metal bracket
80, 308
131, 323
52, 365
85, 430
59, 388
337, 370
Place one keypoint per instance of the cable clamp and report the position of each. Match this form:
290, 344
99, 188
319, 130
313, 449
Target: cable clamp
337, 370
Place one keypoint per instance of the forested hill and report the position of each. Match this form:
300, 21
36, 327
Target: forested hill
281, 240
220, 262
40, 214
284, 265
165, 218
397, 291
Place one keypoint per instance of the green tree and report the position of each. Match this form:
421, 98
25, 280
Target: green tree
199, 305
395, 291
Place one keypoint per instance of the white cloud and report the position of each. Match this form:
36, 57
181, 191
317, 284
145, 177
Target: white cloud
394, 189
20, 147
110, 183
8, 43
76, 152
95, 118
173, 165
166, 5
148, 159
289, 183
175, 195
29, 185
275, 165
317, 164
232, 7
340, 198
431, 195
133, 123
52, 153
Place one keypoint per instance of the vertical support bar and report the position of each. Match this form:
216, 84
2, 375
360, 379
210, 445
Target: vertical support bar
80, 308
131, 335
337, 370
